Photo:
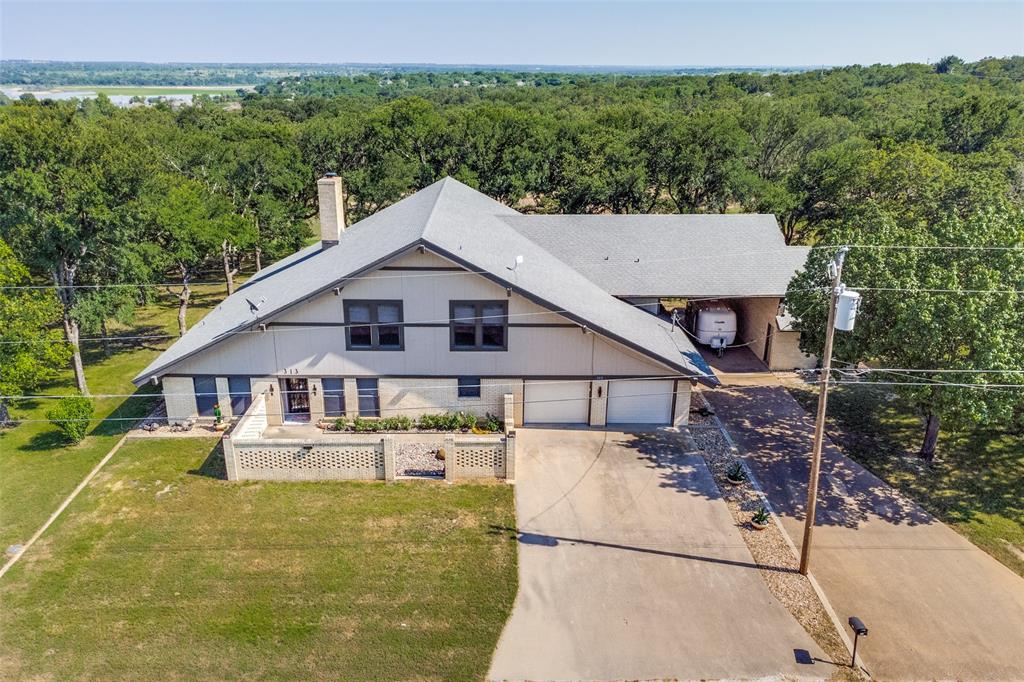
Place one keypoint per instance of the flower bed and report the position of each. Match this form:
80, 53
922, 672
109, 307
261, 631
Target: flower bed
438, 423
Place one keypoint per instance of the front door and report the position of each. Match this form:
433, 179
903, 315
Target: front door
296, 399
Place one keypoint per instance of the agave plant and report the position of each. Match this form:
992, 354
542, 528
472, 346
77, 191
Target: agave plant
736, 473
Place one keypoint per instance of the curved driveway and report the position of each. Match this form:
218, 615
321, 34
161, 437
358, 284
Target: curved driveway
631, 567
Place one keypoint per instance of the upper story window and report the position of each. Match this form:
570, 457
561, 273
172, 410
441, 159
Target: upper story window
479, 325
373, 325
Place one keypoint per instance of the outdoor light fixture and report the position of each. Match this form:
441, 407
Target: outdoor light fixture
859, 629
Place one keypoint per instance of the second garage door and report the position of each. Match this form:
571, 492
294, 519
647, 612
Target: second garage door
557, 402
640, 402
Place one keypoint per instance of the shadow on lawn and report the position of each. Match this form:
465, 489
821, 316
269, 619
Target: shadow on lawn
979, 470
119, 421
125, 341
774, 433
213, 466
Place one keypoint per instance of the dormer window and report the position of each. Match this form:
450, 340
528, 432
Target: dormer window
479, 325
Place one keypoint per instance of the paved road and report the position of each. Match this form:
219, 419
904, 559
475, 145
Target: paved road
936, 606
630, 567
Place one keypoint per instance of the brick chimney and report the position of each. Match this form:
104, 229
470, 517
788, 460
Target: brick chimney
332, 208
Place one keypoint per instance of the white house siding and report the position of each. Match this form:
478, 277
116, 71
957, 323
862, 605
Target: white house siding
684, 392
320, 351
306, 341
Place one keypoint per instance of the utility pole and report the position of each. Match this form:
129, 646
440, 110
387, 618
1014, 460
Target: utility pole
836, 270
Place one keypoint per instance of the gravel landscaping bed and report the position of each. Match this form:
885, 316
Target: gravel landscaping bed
769, 547
418, 459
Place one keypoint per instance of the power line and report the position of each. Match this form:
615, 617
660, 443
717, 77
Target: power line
463, 405
1001, 388
927, 383
256, 278
512, 382
938, 291
345, 325
868, 369
922, 247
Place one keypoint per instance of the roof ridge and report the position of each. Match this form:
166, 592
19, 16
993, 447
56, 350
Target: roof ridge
437, 200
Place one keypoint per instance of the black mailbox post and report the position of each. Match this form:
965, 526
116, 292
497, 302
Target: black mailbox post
858, 627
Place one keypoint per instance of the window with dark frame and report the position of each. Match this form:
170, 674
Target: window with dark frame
373, 325
334, 396
469, 387
479, 325
240, 390
369, 398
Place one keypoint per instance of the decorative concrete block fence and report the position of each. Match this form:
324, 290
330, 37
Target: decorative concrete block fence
250, 456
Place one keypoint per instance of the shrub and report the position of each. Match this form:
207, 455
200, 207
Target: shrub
399, 423
340, 424
736, 472
360, 425
428, 422
492, 423
71, 416
466, 421
453, 421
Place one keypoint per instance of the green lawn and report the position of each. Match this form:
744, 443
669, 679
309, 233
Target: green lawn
37, 470
161, 570
976, 486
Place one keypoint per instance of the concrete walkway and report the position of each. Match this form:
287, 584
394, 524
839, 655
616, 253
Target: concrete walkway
936, 606
630, 567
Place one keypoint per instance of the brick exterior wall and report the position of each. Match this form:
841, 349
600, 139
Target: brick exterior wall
413, 397
180, 399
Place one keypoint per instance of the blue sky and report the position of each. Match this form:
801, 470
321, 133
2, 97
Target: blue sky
575, 32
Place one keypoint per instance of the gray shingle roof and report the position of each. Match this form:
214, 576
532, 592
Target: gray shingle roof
465, 226
679, 255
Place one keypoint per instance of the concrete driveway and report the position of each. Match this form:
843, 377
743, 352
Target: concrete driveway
631, 567
936, 606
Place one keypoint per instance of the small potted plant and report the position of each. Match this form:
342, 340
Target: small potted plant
760, 519
735, 474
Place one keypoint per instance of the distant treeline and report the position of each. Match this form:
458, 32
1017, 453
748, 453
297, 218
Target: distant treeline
51, 73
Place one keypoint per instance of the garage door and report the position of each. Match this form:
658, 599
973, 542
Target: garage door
556, 402
640, 402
